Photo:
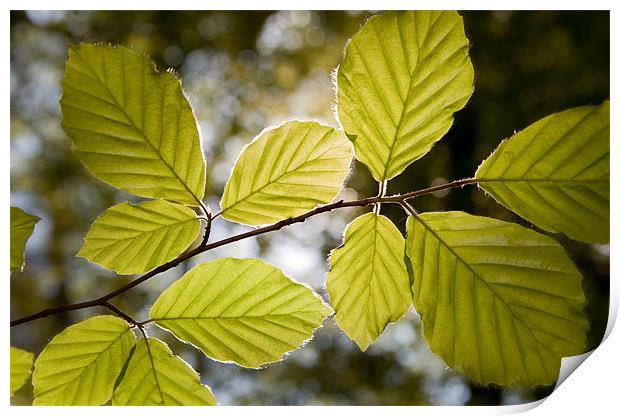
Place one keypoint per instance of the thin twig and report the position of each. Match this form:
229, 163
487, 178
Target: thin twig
121, 314
207, 234
143, 331
205, 246
217, 214
203, 208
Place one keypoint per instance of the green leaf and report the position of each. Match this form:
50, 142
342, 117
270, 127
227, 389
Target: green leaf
240, 310
286, 171
136, 238
368, 281
403, 77
80, 365
156, 377
22, 225
555, 173
131, 126
21, 365
499, 302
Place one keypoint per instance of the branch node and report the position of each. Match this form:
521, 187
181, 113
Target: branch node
120, 314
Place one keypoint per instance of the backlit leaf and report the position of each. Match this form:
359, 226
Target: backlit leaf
80, 365
240, 310
403, 77
286, 171
156, 377
136, 238
22, 225
555, 173
368, 281
21, 365
499, 302
131, 126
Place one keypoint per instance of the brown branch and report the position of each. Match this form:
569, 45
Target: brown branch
205, 246
121, 314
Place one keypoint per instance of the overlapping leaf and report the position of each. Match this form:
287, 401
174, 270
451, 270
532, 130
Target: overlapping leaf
403, 77
286, 171
240, 310
156, 377
368, 281
22, 225
21, 365
80, 365
136, 238
555, 173
499, 302
131, 126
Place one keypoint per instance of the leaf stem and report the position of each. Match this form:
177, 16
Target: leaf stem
408, 208
203, 208
121, 314
381, 194
205, 246
205, 238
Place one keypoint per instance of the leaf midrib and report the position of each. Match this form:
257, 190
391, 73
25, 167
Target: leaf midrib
372, 273
270, 182
411, 86
133, 125
478, 277
292, 315
140, 232
152, 361
575, 182
113, 342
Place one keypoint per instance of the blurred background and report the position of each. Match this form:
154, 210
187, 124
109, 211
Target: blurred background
244, 71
